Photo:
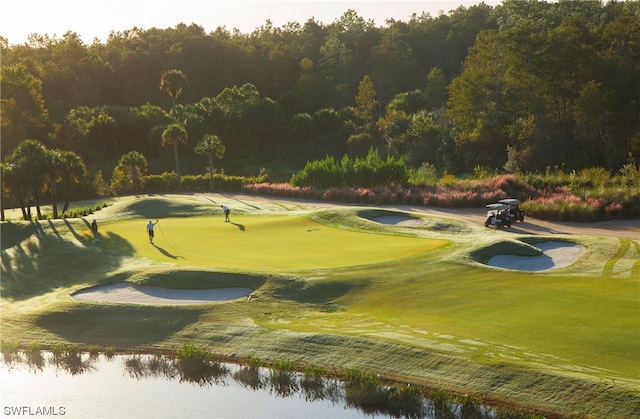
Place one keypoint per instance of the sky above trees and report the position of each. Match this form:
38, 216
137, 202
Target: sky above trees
96, 19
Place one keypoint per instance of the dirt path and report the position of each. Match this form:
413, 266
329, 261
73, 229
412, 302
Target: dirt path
624, 229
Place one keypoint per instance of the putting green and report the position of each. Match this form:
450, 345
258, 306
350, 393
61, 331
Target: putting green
273, 243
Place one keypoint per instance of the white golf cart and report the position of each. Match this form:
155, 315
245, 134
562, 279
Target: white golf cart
516, 213
498, 216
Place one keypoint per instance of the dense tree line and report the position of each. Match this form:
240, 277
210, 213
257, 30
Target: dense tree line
521, 86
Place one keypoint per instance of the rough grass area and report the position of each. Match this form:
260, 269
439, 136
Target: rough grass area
334, 288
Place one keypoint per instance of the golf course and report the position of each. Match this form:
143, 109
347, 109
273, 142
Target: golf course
408, 295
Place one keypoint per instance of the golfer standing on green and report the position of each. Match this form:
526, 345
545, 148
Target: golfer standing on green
150, 230
226, 211
94, 229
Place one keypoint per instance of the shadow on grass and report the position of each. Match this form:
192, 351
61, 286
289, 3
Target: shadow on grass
15, 233
241, 227
48, 261
131, 325
199, 279
242, 202
114, 242
313, 293
166, 253
82, 239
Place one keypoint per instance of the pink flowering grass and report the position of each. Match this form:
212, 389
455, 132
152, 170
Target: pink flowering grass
563, 206
551, 203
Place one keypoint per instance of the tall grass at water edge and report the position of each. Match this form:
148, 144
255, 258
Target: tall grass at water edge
362, 390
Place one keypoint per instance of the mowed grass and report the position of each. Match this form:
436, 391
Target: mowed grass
344, 291
263, 243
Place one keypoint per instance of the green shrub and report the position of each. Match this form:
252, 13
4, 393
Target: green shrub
441, 402
426, 174
197, 365
354, 377
282, 378
359, 172
630, 173
168, 182
34, 356
249, 375
109, 352
94, 350
165, 182
319, 174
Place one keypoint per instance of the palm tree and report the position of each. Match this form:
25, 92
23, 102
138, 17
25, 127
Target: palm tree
72, 169
12, 184
172, 82
211, 145
31, 164
175, 134
134, 164
54, 168
3, 188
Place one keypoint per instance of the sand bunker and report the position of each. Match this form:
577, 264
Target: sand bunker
554, 255
399, 220
128, 293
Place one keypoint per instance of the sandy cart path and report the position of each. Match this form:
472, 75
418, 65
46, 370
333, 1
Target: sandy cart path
625, 229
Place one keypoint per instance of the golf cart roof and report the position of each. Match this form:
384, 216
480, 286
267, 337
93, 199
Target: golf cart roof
510, 201
497, 206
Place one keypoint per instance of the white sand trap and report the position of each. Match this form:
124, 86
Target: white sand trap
399, 220
128, 293
554, 255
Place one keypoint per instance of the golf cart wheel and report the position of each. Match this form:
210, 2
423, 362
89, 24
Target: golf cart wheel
487, 222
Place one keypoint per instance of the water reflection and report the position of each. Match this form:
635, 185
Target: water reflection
69, 359
150, 366
359, 395
73, 361
250, 376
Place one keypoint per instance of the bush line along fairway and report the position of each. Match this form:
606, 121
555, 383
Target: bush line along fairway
334, 287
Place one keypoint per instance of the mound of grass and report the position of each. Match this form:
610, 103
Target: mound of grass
373, 213
195, 279
359, 219
505, 247
158, 206
57, 254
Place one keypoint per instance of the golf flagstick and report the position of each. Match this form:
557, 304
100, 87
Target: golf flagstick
165, 240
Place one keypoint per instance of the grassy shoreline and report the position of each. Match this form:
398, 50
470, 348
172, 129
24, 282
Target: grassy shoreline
436, 318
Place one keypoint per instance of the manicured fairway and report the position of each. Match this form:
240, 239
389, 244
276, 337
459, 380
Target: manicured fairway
267, 243
334, 287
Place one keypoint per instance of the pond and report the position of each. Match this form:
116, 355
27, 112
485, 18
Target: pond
80, 385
